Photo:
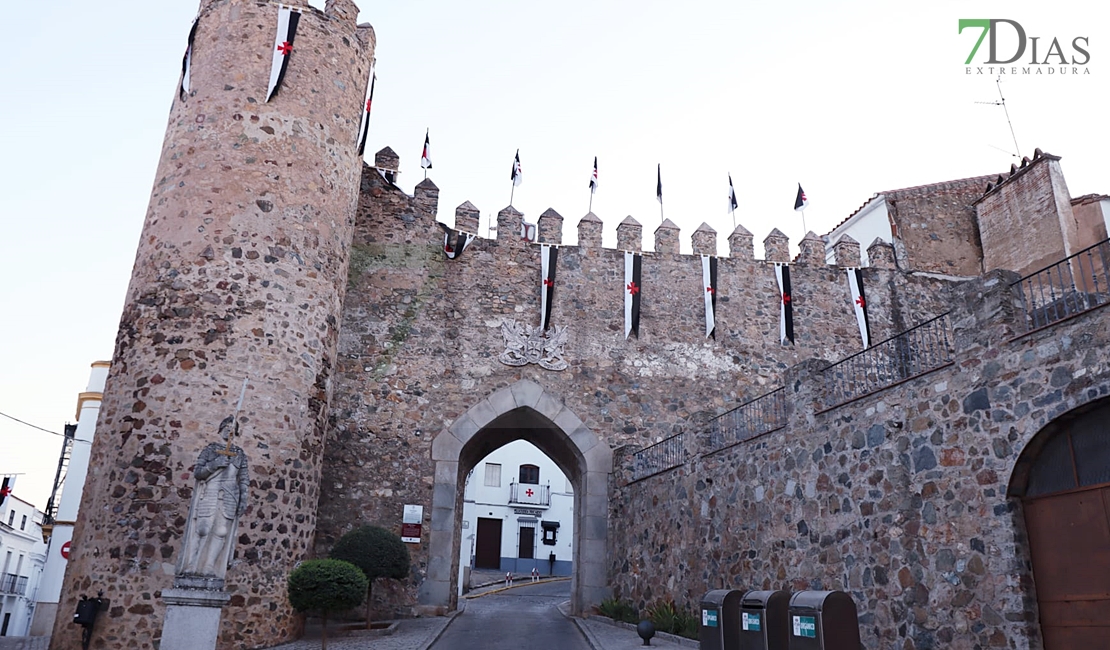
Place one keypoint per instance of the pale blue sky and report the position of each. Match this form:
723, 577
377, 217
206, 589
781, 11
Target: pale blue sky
848, 98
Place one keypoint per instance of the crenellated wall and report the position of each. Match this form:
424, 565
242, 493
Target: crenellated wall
421, 335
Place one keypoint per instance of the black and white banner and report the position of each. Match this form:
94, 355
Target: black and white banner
283, 47
709, 280
786, 312
6, 487
549, 256
859, 303
366, 118
461, 241
187, 62
632, 293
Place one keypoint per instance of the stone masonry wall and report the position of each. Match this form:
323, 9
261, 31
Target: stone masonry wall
898, 498
239, 272
1026, 221
420, 338
935, 228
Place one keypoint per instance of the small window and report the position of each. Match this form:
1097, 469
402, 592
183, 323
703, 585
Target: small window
493, 475
11, 517
23, 523
530, 474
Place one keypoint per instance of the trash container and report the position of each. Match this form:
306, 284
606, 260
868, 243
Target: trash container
764, 623
823, 620
720, 620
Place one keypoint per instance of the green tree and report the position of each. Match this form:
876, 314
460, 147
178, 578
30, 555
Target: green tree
324, 587
375, 550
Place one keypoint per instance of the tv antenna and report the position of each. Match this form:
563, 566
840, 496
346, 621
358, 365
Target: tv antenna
1002, 102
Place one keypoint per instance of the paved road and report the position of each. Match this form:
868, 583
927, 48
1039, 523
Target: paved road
517, 618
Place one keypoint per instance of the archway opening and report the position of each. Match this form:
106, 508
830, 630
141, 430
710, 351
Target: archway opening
1063, 480
523, 411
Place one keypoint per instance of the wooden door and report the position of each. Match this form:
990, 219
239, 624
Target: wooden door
527, 543
1069, 539
487, 544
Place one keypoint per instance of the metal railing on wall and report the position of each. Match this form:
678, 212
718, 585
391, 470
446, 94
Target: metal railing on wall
752, 419
1073, 285
912, 353
663, 455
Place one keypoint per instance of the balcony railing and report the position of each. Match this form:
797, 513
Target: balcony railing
914, 352
13, 584
529, 494
1071, 286
752, 419
663, 455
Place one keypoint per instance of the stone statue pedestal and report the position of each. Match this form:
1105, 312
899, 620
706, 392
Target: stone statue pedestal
193, 613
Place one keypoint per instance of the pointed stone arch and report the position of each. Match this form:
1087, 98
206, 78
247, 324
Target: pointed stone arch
522, 411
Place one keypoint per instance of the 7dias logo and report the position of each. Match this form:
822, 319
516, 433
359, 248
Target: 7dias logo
1028, 54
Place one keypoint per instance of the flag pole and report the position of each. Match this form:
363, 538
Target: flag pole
591, 209
512, 193
804, 229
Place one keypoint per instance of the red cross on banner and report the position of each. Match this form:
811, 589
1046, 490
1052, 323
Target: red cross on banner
859, 301
786, 299
368, 102
548, 283
529, 492
285, 48
710, 290
633, 288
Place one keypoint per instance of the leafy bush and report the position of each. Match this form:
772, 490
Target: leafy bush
669, 618
324, 587
619, 610
377, 552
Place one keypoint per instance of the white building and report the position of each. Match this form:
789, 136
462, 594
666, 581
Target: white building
60, 530
22, 556
518, 514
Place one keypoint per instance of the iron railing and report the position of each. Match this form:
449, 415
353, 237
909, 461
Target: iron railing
10, 583
530, 494
754, 418
916, 351
663, 455
1071, 286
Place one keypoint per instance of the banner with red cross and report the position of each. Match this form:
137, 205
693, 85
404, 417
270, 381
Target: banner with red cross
786, 304
633, 293
187, 62
6, 487
709, 282
549, 256
366, 118
283, 47
859, 303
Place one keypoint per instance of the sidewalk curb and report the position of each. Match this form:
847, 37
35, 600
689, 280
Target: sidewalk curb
522, 583
450, 619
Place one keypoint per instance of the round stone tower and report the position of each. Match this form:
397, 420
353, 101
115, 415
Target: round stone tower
239, 274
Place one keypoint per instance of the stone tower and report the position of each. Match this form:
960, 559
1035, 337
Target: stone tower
240, 272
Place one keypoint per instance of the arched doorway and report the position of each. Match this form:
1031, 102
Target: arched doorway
1063, 480
523, 411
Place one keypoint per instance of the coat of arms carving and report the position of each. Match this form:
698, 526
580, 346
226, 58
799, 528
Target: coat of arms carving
525, 344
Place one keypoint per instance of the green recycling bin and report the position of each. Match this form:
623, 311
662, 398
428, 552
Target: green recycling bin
823, 620
720, 620
764, 623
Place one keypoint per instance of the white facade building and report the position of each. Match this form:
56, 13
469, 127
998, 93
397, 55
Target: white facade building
22, 556
88, 408
518, 514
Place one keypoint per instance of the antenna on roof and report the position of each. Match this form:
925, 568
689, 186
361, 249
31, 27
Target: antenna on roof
1002, 102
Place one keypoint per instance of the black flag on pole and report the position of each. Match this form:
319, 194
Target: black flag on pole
859, 304
731, 196
632, 293
283, 47
786, 311
709, 279
187, 62
6, 488
426, 157
659, 183
518, 175
800, 201
593, 178
366, 119
549, 256
461, 241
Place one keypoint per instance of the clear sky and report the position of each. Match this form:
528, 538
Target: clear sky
847, 98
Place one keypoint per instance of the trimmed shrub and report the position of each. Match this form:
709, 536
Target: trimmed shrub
324, 587
377, 552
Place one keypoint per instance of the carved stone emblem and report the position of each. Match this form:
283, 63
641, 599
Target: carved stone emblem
525, 344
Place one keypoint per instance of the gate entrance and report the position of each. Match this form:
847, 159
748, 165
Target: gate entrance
1063, 479
523, 411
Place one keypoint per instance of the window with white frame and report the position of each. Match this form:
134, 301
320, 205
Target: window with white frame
493, 475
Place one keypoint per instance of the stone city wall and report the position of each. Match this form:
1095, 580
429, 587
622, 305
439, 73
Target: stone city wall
898, 498
420, 340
